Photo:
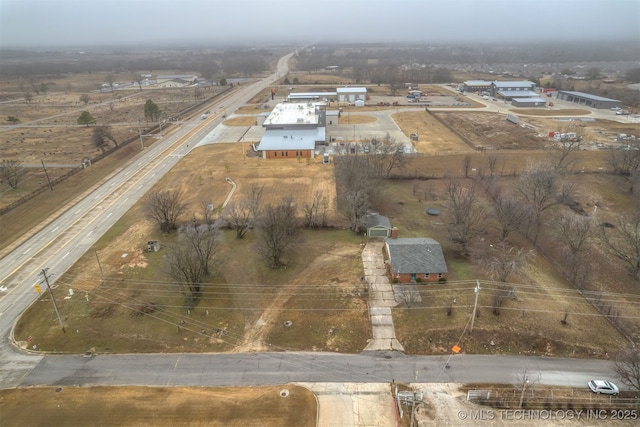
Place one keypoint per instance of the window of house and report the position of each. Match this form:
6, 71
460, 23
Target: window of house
275, 154
439, 275
426, 275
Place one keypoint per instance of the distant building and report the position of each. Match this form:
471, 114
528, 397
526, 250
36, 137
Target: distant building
292, 130
176, 80
521, 85
529, 102
508, 95
476, 86
377, 225
351, 94
588, 100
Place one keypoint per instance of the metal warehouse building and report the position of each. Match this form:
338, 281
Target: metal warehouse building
588, 100
528, 102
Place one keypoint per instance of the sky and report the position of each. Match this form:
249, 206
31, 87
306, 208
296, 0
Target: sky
76, 23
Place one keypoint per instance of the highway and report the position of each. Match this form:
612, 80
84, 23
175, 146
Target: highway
58, 244
62, 241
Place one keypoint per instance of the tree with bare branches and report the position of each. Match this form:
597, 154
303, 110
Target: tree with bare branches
12, 172
355, 187
575, 232
502, 259
467, 215
625, 162
239, 216
165, 207
189, 261
277, 229
623, 241
563, 157
540, 190
627, 367
315, 213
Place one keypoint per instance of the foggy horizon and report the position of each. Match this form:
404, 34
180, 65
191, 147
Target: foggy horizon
29, 24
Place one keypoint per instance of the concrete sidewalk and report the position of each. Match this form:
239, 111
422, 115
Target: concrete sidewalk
381, 299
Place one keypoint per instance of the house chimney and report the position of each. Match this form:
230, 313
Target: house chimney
394, 233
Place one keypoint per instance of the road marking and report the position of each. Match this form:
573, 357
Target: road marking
109, 214
25, 252
54, 230
65, 255
112, 184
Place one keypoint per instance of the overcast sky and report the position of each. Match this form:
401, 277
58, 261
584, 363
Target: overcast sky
59, 23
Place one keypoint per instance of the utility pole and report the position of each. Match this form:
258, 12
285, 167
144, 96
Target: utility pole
140, 135
475, 305
47, 174
55, 306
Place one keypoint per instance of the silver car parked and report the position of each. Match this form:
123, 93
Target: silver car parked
603, 387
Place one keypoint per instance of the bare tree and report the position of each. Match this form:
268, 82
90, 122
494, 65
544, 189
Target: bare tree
510, 213
467, 215
84, 98
563, 157
239, 216
624, 241
315, 213
627, 367
540, 191
182, 265
12, 172
501, 259
408, 295
165, 207
625, 162
575, 233
396, 159
255, 199
525, 382
352, 177
204, 240
277, 230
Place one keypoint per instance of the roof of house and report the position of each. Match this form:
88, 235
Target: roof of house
375, 219
310, 95
177, 76
589, 96
416, 255
287, 139
522, 83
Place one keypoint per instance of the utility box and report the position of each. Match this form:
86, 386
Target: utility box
153, 246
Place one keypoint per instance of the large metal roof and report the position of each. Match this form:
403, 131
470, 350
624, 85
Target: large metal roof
588, 96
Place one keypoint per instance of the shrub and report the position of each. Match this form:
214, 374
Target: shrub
418, 280
395, 280
442, 279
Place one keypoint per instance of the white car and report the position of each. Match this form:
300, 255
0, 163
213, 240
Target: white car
603, 387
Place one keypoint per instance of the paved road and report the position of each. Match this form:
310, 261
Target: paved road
278, 368
58, 244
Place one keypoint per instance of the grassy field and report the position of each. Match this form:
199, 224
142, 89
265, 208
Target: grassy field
159, 406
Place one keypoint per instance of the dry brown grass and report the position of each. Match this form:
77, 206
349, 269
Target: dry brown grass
156, 406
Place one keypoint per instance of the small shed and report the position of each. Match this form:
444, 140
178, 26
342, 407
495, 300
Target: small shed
153, 246
377, 225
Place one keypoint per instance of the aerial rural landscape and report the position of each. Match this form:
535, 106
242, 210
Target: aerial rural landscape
332, 232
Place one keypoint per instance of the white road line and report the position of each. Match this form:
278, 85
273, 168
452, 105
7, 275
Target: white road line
25, 252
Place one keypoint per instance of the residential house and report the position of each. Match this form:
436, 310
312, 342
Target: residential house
415, 260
